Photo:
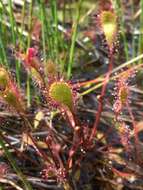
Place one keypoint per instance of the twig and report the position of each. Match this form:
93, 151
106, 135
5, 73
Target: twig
3, 180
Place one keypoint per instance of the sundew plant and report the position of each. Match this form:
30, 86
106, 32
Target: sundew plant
71, 95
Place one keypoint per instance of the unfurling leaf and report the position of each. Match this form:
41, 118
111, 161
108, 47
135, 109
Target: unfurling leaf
4, 78
9, 91
36, 76
51, 69
11, 96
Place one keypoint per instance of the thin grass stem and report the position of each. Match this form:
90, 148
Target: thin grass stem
73, 40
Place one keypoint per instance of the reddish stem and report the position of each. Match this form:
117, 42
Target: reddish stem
100, 105
135, 131
93, 81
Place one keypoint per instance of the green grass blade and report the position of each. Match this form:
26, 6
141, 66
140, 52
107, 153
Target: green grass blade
22, 27
140, 44
74, 35
3, 56
120, 14
28, 90
55, 28
44, 34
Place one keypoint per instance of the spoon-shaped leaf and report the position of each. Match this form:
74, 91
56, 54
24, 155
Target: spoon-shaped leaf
108, 23
61, 93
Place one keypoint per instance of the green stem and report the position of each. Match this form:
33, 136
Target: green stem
28, 45
119, 7
74, 35
140, 44
55, 34
43, 16
22, 24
